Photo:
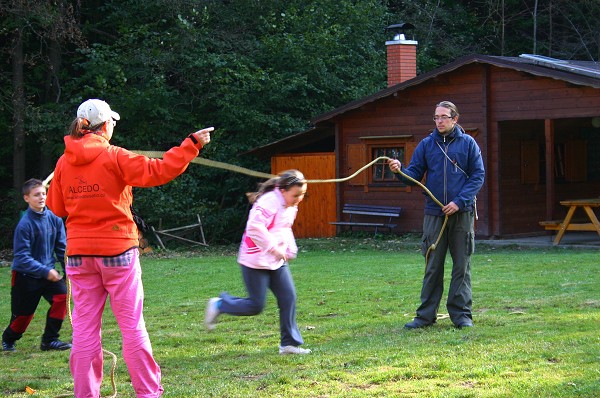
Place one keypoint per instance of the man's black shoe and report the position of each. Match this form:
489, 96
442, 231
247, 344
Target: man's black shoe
416, 325
465, 325
55, 345
10, 347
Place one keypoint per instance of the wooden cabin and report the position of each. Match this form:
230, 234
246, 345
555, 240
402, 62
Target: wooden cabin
536, 120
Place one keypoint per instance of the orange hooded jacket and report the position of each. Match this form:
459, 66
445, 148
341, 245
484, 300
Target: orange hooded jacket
92, 187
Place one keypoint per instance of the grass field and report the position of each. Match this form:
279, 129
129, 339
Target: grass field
536, 334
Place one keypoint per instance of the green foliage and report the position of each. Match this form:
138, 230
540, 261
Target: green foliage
249, 71
535, 314
256, 70
10, 211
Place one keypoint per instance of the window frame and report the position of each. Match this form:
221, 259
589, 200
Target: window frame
371, 143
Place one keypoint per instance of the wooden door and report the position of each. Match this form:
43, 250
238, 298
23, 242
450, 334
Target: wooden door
319, 206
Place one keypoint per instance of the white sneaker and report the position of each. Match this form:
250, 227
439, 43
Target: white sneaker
211, 313
290, 349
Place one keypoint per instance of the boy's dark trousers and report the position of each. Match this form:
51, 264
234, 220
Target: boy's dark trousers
26, 293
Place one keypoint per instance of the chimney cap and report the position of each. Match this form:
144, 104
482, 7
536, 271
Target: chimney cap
400, 27
398, 30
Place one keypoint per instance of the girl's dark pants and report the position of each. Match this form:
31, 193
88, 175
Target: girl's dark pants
257, 281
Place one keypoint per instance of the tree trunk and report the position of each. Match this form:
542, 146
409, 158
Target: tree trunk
18, 101
52, 94
535, 8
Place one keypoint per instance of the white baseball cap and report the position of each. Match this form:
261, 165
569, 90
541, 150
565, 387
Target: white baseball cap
96, 112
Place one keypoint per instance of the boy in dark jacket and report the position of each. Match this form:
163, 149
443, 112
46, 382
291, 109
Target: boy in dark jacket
39, 242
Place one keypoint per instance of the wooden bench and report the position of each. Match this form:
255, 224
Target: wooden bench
388, 213
551, 225
554, 225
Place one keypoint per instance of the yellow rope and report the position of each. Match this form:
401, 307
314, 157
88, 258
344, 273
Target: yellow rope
253, 173
433, 245
227, 166
211, 163
46, 182
242, 170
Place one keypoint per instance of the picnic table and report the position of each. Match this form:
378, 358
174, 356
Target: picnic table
569, 224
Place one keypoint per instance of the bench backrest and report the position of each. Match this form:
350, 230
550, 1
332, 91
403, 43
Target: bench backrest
386, 211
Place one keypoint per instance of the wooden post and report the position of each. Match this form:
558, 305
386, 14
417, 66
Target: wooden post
550, 192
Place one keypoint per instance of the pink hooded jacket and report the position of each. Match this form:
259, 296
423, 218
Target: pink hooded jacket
269, 226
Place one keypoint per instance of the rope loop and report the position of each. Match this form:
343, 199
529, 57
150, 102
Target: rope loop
242, 170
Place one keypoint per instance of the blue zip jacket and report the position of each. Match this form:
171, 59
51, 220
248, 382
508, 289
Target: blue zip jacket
457, 177
39, 237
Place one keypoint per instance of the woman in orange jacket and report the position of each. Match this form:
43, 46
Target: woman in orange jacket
92, 187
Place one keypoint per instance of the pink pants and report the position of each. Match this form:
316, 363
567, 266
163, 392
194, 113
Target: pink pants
92, 279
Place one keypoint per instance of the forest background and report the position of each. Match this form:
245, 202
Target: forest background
257, 70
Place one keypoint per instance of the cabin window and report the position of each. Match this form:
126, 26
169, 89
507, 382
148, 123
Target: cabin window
381, 173
379, 176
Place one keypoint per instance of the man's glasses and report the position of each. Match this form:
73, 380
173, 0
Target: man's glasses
442, 118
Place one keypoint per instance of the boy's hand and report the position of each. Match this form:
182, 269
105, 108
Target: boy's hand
54, 276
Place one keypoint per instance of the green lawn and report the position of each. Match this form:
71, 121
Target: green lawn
536, 315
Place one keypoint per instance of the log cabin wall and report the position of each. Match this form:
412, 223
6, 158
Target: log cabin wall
505, 110
407, 116
520, 104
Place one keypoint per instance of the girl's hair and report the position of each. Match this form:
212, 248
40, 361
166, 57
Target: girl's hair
450, 106
80, 127
284, 180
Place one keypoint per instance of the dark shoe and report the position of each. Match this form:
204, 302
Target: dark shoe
55, 345
10, 347
465, 324
415, 324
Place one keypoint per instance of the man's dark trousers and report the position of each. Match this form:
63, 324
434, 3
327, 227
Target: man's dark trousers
459, 238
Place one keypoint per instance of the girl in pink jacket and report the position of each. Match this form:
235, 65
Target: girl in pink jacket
267, 245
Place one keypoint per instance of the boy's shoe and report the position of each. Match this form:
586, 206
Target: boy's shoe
55, 345
290, 349
10, 347
211, 314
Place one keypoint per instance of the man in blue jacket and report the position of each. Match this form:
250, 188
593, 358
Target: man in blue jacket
452, 162
39, 243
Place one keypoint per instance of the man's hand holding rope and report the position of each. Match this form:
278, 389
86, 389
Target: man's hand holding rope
449, 209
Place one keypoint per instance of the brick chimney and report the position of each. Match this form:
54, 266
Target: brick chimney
401, 55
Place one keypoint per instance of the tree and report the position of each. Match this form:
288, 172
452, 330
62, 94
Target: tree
49, 23
172, 66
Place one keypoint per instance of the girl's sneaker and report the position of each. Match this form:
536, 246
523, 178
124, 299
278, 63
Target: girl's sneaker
212, 312
290, 349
